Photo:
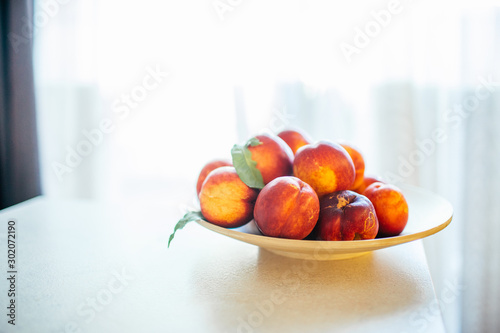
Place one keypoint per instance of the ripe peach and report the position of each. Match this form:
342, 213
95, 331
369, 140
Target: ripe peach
207, 169
359, 164
391, 207
287, 207
274, 158
367, 181
326, 166
225, 200
346, 215
294, 139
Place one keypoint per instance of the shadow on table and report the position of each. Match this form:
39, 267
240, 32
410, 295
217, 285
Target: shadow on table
271, 293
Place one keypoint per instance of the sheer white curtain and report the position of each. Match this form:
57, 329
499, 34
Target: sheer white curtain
68, 96
481, 124
448, 141
159, 88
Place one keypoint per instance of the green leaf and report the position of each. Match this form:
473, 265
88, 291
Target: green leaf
245, 166
253, 142
188, 217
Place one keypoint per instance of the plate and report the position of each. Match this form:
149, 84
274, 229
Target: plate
429, 213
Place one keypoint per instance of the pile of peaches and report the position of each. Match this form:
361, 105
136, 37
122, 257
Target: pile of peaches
294, 188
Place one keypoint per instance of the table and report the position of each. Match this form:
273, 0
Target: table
85, 266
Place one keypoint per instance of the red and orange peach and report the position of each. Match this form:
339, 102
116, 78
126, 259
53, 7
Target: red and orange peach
391, 207
326, 166
287, 207
294, 139
273, 156
359, 164
367, 181
207, 169
225, 200
346, 215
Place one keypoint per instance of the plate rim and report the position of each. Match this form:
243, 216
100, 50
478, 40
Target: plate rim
356, 245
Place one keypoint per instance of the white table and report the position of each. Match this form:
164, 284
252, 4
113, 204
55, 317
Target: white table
90, 267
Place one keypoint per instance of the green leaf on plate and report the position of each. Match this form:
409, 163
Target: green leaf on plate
188, 217
245, 166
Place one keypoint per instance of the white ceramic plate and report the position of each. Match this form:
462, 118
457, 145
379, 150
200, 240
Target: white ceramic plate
428, 214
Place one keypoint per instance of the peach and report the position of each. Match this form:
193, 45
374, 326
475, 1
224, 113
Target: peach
326, 166
287, 207
367, 181
346, 215
274, 158
294, 139
359, 164
207, 169
391, 207
225, 200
